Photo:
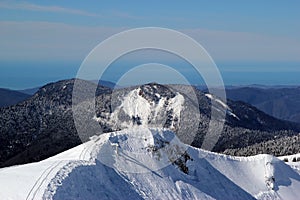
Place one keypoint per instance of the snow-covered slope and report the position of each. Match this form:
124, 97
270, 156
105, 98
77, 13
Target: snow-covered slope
150, 109
142, 163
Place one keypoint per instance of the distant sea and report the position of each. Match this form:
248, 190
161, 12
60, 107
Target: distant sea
23, 75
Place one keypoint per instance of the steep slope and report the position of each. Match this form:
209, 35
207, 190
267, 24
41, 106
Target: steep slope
245, 125
123, 165
11, 97
43, 125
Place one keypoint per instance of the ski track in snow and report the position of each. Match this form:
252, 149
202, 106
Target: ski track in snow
197, 174
41, 180
210, 175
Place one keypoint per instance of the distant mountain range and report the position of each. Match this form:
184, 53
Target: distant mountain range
282, 103
30, 91
108, 84
11, 97
43, 125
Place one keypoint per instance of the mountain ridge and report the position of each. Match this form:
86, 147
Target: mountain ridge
43, 126
96, 168
282, 103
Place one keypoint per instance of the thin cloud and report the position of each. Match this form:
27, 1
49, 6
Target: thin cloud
247, 46
40, 8
73, 42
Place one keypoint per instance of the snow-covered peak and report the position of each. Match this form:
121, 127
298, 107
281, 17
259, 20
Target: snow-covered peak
96, 170
149, 149
148, 106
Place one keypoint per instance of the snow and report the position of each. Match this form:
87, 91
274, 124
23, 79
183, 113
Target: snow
217, 100
232, 114
176, 104
29, 181
291, 161
290, 158
135, 105
224, 105
138, 163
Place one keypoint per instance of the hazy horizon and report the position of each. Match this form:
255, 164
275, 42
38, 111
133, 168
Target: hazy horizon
250, 42
11, 78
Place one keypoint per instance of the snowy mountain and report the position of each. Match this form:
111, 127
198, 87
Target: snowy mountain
43, 125
143, 163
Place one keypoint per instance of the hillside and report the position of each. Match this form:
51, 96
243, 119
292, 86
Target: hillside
40, 126
282, 103
11, 97
43, 125
164, 168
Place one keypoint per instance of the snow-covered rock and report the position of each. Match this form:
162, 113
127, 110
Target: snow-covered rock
147, 109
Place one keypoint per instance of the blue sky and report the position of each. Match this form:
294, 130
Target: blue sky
251, 42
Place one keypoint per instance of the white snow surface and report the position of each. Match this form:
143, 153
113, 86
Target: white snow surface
138, 163
135, 105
